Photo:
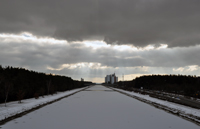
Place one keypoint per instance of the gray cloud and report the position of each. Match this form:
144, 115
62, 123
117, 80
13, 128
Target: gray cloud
136, 22
38, 57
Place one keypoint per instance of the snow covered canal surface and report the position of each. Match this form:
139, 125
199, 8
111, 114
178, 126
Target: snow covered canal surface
99, 108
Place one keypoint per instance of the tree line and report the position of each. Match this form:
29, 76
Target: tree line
20, 83
179, 84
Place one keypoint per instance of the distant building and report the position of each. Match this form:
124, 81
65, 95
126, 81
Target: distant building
111, 79
82, 79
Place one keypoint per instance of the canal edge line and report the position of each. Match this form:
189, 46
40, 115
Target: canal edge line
191, 118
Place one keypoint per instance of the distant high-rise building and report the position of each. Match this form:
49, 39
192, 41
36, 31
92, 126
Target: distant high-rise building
111, 79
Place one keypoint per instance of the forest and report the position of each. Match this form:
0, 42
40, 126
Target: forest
20, 83
180, 84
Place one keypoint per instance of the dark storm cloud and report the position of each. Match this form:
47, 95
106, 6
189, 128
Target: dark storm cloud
137, 22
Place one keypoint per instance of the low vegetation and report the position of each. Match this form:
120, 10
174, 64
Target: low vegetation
179, 84
18, 83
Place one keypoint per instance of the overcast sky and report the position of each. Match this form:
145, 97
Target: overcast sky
92, 38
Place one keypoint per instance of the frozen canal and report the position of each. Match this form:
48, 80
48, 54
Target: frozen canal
99, 108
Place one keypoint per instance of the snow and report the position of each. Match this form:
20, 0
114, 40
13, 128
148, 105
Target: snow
14, 108
99, 108
185, 111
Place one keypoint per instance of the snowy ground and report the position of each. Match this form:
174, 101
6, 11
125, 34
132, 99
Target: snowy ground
99, 108
14, 108
181, 110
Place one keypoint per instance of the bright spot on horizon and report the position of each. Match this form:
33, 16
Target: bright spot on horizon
96, 44
26, 36
91, 65
101, 44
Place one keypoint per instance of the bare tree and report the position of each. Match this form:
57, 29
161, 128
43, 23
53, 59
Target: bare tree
48, 86
7, 87
1, 79
42, 92
36, 95
20, 95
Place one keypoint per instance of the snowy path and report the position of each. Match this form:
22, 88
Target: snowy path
99, 108
14, 108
